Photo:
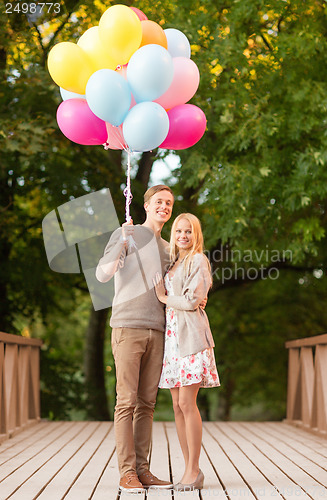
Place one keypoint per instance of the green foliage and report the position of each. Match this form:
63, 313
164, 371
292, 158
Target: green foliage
261, 167
62, 387
251, 325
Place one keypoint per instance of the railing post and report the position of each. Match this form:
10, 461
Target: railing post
19, 383
293, 386
319, 409
307, 383
3, 403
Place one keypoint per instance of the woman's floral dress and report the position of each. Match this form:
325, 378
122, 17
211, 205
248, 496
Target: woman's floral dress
177, 371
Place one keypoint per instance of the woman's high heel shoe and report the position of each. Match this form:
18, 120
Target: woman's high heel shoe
197, 485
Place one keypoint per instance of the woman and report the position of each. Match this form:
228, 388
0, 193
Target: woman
189, 361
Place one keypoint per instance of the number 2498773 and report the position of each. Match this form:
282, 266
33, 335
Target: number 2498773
32, 8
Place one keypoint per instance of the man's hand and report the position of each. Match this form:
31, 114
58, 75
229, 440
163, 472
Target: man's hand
127, 230
160, 288
203, 303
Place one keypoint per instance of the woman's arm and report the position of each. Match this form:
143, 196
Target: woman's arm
195, 287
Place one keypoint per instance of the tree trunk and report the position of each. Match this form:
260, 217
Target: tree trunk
97, 404
145, 167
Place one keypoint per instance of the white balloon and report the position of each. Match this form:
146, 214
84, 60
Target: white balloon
66, 94
178, 44
150, 72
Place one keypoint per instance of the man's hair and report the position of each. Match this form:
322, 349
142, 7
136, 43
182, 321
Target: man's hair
155, 189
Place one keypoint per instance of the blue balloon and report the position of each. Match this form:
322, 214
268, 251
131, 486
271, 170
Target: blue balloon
66, 94
150, 72
108, 96
146, 126
178, 44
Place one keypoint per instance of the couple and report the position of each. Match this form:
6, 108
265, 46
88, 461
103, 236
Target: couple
160, 336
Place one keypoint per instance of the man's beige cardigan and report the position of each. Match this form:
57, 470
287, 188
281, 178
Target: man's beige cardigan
193, 326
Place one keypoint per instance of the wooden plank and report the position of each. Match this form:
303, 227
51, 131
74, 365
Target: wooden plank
14, 461
107, 487
22, 441
304, 463
86, 483
9, 338
159, 460
292, 440
23, 383
176, 456
63, 446
319, 410
177, 462
61, 483
124, 495
73, 460
293, 385
307, 384
34, 409
11, 389
287, 478
312, 441
3, 400
30, 430
230, 478
307, 342
212, 486
242, 458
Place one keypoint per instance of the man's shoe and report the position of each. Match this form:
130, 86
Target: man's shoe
130, 482
148, 480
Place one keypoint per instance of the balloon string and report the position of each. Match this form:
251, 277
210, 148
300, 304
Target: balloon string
127, 191
117, 133
120, 137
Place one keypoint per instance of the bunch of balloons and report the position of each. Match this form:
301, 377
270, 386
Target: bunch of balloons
126, 83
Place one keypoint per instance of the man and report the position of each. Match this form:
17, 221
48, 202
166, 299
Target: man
138, 325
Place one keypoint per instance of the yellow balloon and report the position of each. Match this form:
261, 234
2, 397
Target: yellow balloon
91, 44
70, 67
120, 32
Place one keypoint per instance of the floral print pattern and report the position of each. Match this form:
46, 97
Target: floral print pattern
177, 371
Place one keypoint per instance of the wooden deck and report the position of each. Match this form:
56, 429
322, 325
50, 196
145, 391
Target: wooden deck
77, 461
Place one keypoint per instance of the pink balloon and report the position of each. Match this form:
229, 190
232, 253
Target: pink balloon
187, 124
116, 138
184, 85
139, 13
77, 122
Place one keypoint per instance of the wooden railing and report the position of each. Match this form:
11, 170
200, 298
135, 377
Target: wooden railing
307, 383
19, 383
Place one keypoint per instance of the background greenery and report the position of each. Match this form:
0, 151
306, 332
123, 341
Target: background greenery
257, 180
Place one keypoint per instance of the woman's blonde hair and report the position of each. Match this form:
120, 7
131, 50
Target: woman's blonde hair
197, 246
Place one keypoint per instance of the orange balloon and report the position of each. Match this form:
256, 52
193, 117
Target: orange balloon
153, 33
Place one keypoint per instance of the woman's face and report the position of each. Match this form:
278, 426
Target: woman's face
183, 235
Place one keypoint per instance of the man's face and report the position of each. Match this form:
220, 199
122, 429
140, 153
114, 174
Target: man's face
160, 206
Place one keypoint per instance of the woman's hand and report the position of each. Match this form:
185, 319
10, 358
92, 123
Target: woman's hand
160, 288
203, 304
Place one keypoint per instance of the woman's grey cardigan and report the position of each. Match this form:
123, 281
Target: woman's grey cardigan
193, 326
